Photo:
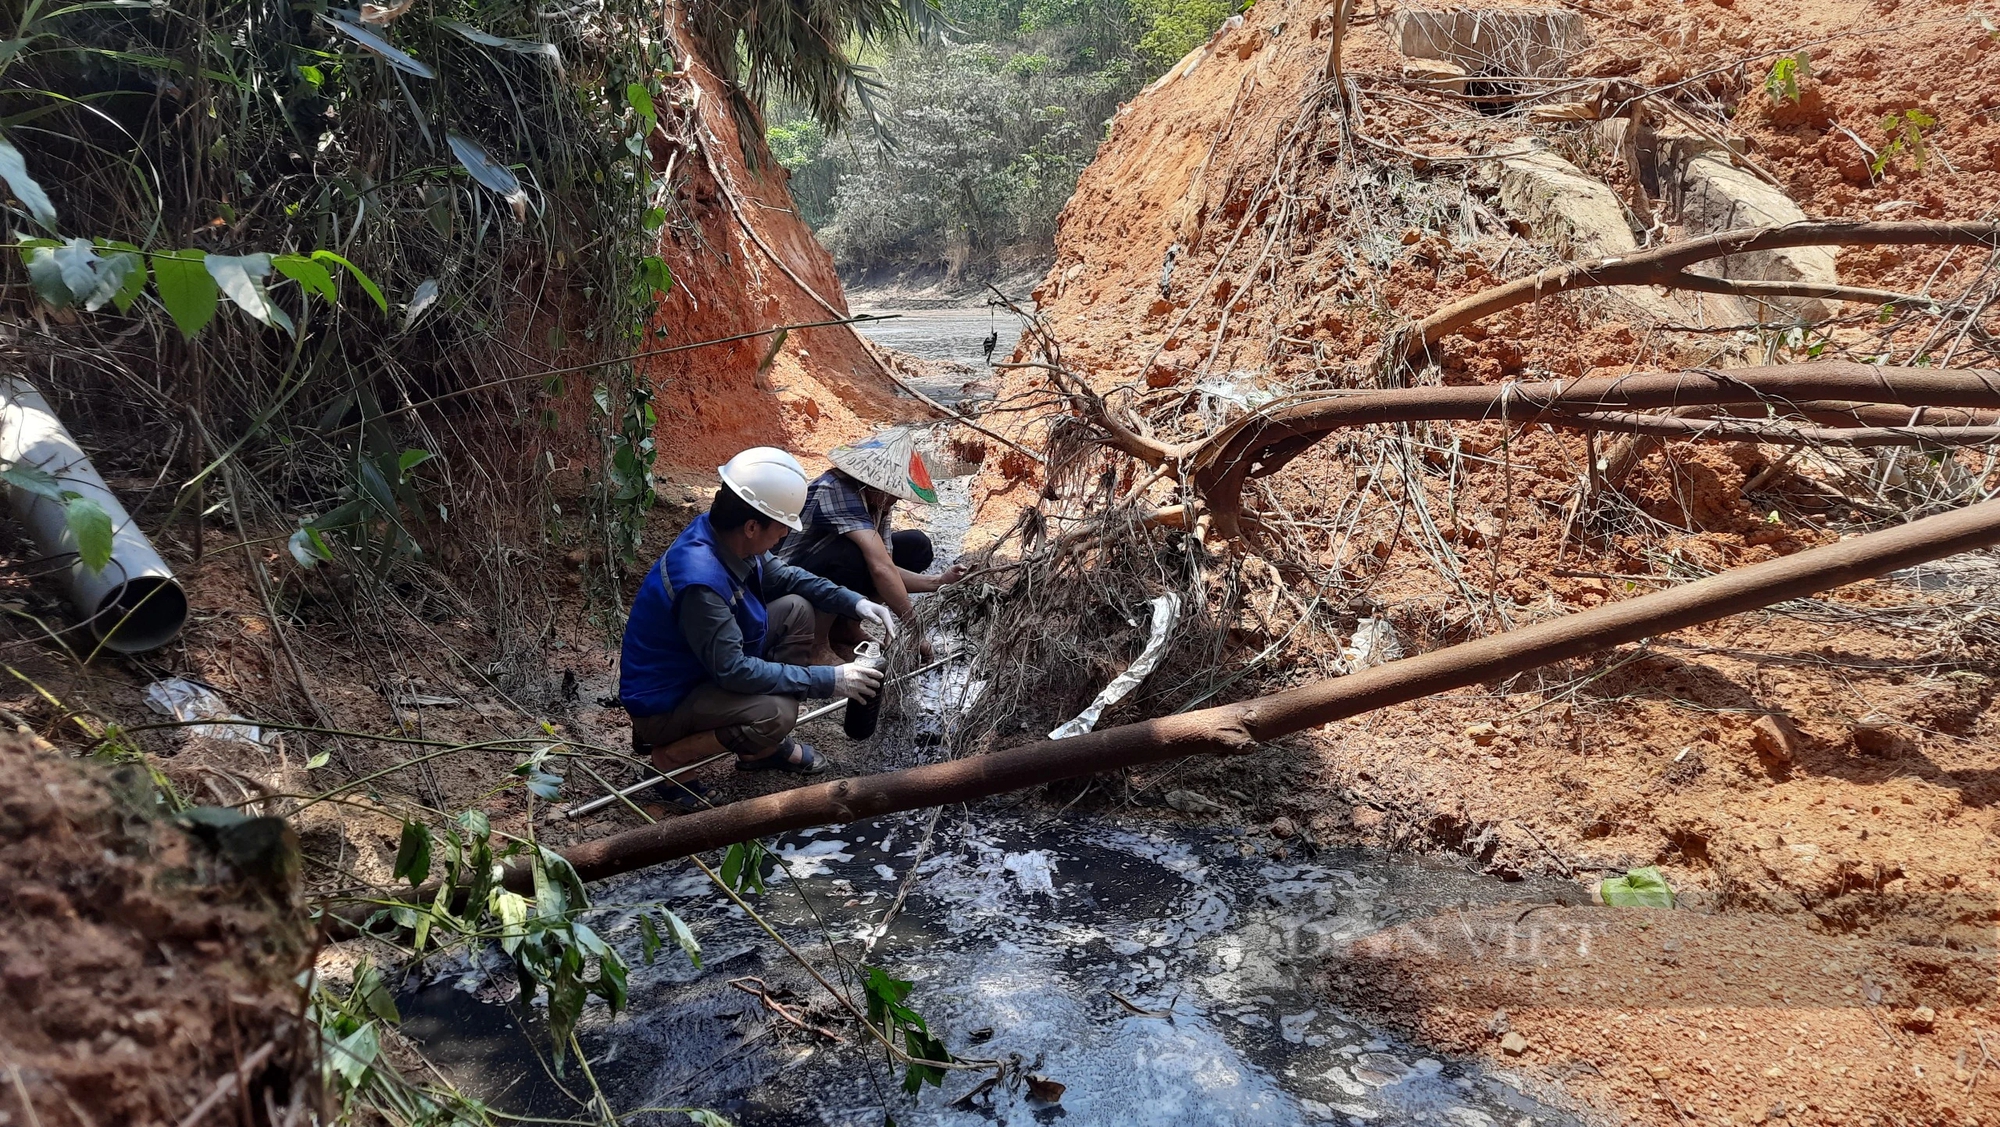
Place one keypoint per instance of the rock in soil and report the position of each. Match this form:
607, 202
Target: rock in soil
1776, 737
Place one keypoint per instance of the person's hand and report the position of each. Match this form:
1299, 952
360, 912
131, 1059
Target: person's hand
881, 616
925, 650
953, 574
857, 681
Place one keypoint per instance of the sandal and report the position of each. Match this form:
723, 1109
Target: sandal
684, 793
780, 759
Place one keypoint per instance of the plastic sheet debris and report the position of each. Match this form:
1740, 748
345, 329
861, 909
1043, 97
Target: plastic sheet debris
1374, 643
187, 701
1166, 611
1223, 399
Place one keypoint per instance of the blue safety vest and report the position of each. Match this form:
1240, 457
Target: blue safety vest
657, 669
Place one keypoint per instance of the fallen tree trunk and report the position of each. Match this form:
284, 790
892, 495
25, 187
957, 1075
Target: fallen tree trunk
1239, 728
1263, 443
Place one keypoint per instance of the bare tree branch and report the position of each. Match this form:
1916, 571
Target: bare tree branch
1665, 264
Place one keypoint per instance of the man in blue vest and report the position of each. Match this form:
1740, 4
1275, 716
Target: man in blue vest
716, 647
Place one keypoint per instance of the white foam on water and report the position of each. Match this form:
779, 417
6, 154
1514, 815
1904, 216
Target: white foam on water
1032, 870
1133, 1072
813, 857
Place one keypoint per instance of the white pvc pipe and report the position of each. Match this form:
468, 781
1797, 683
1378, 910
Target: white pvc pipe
134, 604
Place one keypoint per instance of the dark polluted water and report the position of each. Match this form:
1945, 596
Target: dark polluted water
1161, 974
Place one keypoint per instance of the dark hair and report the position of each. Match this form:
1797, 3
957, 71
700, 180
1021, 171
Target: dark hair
729, 512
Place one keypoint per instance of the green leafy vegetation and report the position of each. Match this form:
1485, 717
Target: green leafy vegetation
1782, 84
1639, 888
1906, 138
979, 138
887, 1012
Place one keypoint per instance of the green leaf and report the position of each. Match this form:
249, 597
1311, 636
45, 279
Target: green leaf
512, 909
310, 275
551, 902
562, 873
186, 289
883, 990
684, 937
649, 939
241, 278
654, 218
91, 526
654, 273
40, 482
413, 856
12, 47
132, 266
353, 1054
705, 1118
612, 975
360, 277
743, 866
411, 459
71, 272
45, 273
318, 760
641, 100
14, 170
307, 547
475, 825
1639, 888
922, 1046
374, 993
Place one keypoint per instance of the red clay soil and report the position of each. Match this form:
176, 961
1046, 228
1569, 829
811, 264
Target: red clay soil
744, 261
139, 971
1818, 785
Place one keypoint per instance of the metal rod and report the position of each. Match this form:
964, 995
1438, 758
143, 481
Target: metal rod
596, 804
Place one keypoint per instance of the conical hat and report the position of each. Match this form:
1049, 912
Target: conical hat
890, 461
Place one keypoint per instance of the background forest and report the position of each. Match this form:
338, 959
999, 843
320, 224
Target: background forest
961, 156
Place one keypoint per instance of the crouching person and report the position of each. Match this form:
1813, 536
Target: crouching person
716, 648
848, 536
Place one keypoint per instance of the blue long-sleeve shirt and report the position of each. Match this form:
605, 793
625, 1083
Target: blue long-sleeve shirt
717, 641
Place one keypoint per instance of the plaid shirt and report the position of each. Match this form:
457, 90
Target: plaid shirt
834, 507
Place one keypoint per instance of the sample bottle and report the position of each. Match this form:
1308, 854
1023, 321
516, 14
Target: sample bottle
859, 723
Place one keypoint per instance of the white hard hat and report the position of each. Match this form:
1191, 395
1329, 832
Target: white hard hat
771, 481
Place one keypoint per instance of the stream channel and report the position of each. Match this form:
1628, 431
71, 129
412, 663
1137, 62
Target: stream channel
1163, 973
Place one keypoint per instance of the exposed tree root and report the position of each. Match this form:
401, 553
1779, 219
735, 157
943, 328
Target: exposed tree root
1262, 443
1663, 267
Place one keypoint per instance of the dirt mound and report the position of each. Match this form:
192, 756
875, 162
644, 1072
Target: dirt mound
144, 971
1738, 1019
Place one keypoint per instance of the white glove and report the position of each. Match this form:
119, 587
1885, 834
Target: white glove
872, 611
856, 681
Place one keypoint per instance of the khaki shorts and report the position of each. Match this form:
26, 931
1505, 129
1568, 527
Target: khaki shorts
750, 726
